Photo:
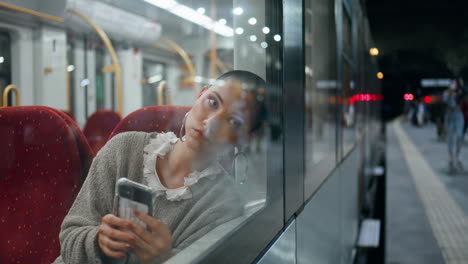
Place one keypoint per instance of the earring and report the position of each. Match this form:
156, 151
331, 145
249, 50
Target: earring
182, 128
242, 164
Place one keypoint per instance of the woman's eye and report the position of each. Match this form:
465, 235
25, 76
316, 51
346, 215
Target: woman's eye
213, 103
236, 124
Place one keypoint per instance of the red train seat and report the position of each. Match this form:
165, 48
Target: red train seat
99, 126
86, 153
40, 178
68, 113
161, 118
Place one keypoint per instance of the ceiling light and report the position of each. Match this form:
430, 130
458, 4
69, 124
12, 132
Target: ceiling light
70, 68
238, 11
239, 31
277, 37
2, 59
266, 30
201, 10
253, 38
222, 21
193, 16
252, 21
264, 45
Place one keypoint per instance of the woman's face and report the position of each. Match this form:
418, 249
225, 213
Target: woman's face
220, 118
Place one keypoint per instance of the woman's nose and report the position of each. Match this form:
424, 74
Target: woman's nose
212, 117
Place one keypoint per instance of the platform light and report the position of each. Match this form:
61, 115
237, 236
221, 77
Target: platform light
264, 45
266, 30
2, 59
427, 99
277, 37
380, 75
252, 21
408, 97
193, 16
253, 38
70, 68
239, 31
238, 11
374, 51
201, 10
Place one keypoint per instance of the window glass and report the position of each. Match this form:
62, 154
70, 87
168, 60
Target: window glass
321, 91
153, 84
99, 78
194, 78
5, 65
349, 95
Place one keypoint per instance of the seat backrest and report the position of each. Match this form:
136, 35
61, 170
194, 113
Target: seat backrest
86, 153
161, 118
39, 180
68, 113
99, 126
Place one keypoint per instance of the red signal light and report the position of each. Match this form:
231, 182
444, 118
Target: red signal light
408, 97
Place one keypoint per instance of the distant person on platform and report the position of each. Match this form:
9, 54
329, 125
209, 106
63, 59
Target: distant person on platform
454, 121
464, 108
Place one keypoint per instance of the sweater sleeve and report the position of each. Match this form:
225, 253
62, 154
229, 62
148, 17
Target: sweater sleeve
95, 199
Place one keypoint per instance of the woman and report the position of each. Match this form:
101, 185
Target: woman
193, 192
454, 119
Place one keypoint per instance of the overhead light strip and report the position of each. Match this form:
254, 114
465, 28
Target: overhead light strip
193, 16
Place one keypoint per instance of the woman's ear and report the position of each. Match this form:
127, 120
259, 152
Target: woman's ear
204, 88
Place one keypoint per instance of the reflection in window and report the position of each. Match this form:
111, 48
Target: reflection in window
349, 99
321, 86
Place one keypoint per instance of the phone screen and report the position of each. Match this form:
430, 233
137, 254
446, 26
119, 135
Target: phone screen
126, 208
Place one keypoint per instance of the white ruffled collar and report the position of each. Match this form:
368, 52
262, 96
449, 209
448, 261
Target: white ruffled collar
160, 146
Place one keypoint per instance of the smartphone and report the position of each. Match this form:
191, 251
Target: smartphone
133, 196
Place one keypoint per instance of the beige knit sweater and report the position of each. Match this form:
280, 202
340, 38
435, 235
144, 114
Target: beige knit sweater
214, 201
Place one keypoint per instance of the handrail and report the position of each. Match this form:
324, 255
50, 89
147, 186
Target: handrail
115, 66
183, 54
161, 88
221, 65
31, 12
12, 88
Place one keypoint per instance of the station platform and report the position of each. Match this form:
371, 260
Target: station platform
427, 207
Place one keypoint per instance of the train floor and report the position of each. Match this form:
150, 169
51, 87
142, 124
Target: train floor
427, 204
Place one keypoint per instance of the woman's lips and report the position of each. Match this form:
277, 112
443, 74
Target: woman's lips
198, 133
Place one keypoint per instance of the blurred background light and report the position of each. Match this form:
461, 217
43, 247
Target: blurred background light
238, 11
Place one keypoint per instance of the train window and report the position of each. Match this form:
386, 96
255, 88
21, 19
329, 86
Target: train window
154, 74
5, 64
349, 96
70, 82
99, 78
321, 92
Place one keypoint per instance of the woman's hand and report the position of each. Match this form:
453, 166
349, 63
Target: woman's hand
112, 238
150, 244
